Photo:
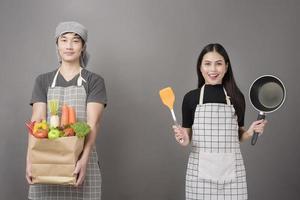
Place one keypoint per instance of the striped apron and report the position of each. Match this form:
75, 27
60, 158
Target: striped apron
74, 96
215, 168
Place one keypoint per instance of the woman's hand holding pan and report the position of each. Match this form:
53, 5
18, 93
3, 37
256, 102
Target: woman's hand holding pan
257, 126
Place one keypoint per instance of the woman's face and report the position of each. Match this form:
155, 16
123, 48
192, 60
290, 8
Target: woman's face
70, 47
213, 68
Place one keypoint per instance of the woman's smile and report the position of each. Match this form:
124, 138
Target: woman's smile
213, 75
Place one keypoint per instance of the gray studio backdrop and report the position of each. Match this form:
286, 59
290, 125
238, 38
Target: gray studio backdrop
140, 46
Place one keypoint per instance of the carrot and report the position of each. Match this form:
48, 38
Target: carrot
64, 120
72, 115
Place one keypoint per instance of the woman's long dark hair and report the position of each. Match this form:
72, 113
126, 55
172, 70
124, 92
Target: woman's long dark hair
236, 96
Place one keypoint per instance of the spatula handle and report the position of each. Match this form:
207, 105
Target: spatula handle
176, 123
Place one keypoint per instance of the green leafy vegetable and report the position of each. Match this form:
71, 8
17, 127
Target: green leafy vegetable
81, 129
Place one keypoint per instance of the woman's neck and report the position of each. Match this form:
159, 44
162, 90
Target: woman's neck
213, 85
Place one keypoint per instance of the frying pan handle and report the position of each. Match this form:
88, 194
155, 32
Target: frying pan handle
255, 135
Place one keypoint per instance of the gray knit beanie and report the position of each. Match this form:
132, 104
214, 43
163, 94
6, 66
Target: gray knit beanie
73, 27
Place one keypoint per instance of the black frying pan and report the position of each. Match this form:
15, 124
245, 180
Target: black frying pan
267, 94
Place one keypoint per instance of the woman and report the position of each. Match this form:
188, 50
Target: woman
85, 91
213, 121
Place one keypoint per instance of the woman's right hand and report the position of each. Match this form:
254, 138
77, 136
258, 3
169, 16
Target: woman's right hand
181, 135
28, 172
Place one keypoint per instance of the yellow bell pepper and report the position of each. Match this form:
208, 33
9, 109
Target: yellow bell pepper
40, 125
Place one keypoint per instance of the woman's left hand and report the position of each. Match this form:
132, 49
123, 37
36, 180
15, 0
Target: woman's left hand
80, 171
257, 126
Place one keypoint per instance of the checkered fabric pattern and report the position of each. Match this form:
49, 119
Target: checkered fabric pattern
215, 132
91, 189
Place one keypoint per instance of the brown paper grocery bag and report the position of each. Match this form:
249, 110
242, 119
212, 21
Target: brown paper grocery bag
53, 161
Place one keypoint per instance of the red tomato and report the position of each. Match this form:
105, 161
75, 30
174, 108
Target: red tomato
41, 133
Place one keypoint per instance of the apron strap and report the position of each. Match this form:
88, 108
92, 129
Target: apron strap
227, 97
202, 94
54, 80
79, 80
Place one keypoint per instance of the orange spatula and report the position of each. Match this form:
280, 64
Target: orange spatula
168, 98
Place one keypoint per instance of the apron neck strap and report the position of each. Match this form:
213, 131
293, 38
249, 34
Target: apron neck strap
54, 80
227, 97
79, 80
202, 94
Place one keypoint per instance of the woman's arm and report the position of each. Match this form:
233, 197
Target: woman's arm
257, 126
94, 113
244, 134
39, 110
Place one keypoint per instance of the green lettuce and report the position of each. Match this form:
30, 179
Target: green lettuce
81, 129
